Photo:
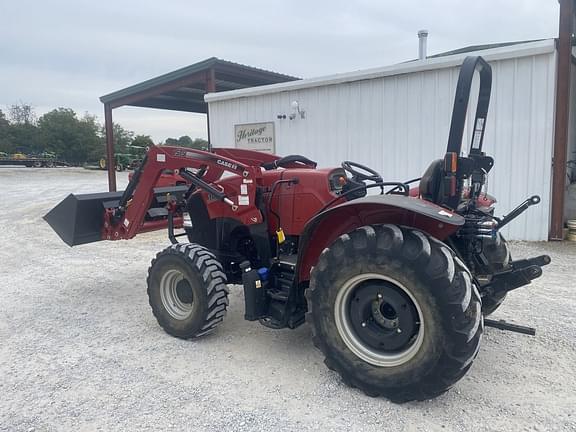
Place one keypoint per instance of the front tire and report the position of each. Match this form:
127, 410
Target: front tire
395, 312
187, 290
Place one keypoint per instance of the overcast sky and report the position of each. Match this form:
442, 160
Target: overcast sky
70, 52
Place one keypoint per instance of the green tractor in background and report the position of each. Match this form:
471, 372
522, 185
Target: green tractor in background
123, 161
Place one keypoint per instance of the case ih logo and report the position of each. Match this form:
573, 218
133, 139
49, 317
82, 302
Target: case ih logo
227, 164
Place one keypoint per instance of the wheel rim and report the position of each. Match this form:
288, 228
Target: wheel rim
379, 320
176, 294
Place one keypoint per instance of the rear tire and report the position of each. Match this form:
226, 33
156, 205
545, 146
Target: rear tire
378, 279
187, 290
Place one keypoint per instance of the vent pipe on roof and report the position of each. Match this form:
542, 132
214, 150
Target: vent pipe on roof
422, 44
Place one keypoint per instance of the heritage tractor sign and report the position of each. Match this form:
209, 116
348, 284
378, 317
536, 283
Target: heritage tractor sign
255, 136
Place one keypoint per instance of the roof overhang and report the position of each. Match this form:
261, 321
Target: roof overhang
184, 89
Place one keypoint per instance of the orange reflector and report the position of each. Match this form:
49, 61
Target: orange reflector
454, 163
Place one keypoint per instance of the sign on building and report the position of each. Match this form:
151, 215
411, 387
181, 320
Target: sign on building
255, 136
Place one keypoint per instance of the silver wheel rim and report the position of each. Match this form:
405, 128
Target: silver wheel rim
353, 341
168, 294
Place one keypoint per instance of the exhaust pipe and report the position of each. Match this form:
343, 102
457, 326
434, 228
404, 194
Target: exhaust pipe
422, 44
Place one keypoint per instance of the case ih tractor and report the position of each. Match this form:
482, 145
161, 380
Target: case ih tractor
395, 285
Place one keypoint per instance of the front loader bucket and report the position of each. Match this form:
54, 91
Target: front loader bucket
78, 219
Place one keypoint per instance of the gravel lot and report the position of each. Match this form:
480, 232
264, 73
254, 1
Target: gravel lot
80, 349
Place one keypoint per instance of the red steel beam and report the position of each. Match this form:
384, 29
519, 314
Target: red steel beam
561, 121
111, 160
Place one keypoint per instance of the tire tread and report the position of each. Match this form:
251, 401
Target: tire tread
452, 284
209, 269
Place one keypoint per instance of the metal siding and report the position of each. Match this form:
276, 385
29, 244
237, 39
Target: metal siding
398, 124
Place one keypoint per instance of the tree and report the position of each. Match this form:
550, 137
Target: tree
122, 138
22, 114
142, 141
4, 123
71, 139
6, 144
20, 132
200, 144
186, 141
93, 130
25, 138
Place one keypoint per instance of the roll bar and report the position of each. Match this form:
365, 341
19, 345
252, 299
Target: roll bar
463, 88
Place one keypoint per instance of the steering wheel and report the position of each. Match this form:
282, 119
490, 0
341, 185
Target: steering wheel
368, 174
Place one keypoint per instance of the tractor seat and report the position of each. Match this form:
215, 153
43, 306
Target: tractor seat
431, 181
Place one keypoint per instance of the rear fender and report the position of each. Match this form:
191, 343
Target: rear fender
327, 226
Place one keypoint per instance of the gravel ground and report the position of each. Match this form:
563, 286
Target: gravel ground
80, 349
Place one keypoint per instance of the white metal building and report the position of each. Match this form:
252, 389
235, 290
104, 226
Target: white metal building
396, 119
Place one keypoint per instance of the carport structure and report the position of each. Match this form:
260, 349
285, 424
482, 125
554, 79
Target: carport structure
183, 90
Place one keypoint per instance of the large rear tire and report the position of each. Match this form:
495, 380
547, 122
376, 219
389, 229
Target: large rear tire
187, 290
395, 312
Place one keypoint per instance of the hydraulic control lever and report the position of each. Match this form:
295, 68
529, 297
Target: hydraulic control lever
533, 200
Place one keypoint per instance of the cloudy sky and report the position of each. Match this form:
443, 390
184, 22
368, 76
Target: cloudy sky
70, 52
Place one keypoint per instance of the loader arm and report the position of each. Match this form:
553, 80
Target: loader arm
127, 219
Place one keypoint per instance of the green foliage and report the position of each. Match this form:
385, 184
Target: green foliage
19, 134
4, 123
122, 138
142, 141
75, 140
200, 144
70, 138
22, 114
186, 141
6, 142
25, 138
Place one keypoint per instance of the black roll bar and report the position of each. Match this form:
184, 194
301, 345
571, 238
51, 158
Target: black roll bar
470, 65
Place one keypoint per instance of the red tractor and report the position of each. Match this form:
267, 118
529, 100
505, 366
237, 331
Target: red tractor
395, 285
